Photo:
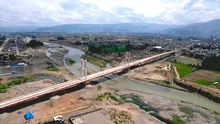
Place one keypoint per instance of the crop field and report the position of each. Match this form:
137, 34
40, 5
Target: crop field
183, 69
208, 83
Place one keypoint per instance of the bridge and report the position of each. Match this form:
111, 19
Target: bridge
69, 84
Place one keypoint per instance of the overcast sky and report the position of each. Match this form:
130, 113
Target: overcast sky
55, 12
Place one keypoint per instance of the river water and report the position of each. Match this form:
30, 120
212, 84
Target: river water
123, 83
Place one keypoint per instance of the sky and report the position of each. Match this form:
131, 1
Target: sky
57, 12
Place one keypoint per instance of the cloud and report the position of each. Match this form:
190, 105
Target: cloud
55, 12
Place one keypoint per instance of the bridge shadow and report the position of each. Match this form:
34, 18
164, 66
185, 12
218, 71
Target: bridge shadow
69, 90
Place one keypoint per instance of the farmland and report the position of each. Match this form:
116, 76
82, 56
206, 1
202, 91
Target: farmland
183, 69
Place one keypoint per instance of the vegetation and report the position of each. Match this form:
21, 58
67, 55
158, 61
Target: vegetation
107, 95
60, 38
99, 87
204, 82
16, 81
108, 48
177, 120
96, 61
34, 44
72, 62
19, 80
2, 38
208, 83
84, 38
183, 69
52, 68
12, 57
120, 117
3, 88
211, 63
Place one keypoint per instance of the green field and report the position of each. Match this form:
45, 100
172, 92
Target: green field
96, 61
208, 83
183, 69
204, 82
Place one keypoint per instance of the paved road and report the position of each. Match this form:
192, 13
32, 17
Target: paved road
3, 45
69, 84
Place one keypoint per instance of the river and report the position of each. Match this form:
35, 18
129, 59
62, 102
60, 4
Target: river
121, 82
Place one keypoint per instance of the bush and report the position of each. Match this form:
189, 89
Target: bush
3, 88
107, 95
72, 62
99, 87
99, 98
16, 81
177, 120
52, 68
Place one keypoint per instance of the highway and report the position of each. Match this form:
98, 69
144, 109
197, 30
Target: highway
69, 84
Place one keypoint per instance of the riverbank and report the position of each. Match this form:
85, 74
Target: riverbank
160, 83
210, 93
169, 93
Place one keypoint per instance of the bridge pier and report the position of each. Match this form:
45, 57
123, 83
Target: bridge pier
84, 69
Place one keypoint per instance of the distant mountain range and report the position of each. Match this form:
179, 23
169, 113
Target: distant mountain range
197, 29
18, 28
211, 28
111, 28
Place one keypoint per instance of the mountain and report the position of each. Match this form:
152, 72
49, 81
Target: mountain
111, 28
210, 28
18, 28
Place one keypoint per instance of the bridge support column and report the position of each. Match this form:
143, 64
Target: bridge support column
83, 69
128, 58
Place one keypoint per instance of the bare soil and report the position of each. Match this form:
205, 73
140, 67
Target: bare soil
156, 71
202, 74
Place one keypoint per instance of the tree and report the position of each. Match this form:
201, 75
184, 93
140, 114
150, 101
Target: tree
211, 63
2, 38
99, 87
34, 44
60, 38
12, 57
